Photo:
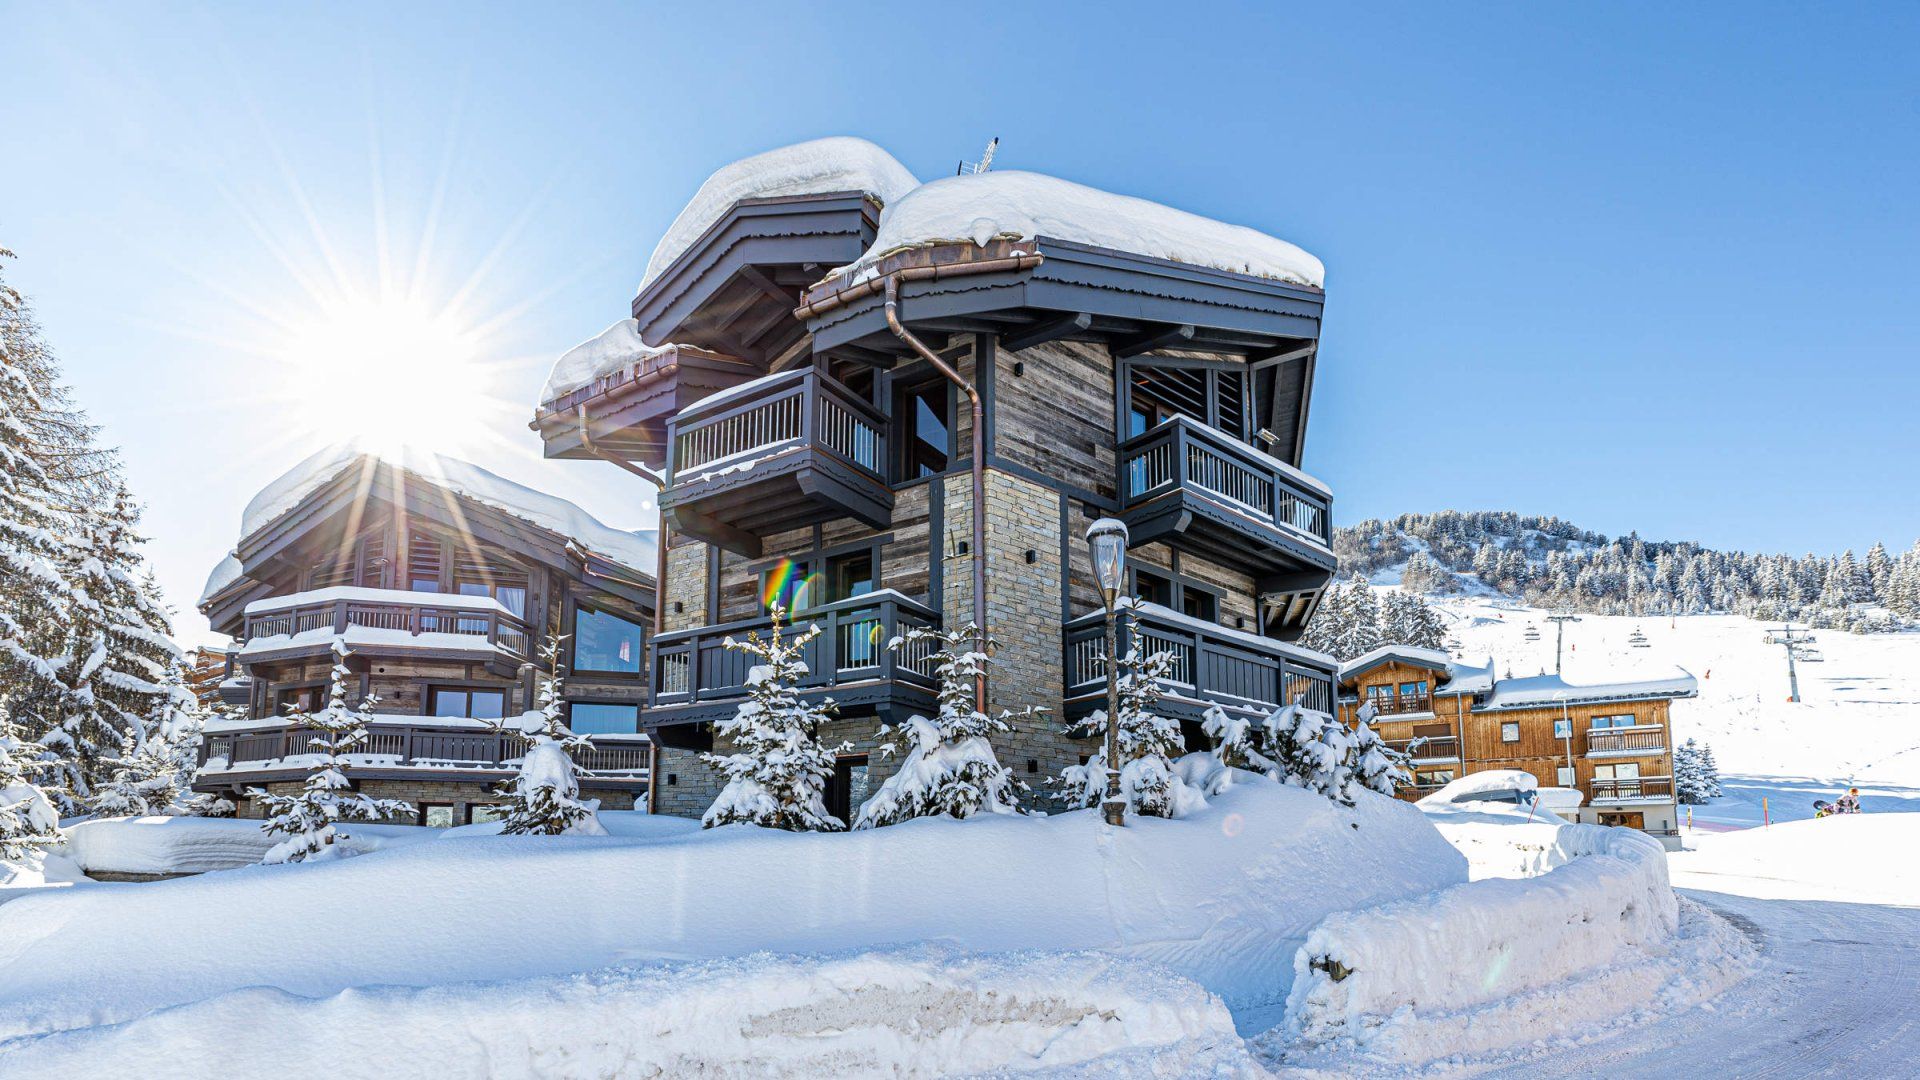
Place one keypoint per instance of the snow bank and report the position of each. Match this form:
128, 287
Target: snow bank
816, 167
1488, 786
610, 350
1023, 206
1853, 858
1476, 944
1502, 840
923, 1012
196, 845
1225, 897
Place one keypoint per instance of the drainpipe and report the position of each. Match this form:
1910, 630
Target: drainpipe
659, 483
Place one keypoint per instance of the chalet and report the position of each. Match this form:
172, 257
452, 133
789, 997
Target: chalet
442, 581
1612, 742
884, 404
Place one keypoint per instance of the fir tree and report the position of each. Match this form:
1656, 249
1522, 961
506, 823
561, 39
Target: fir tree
949, 767
778, 772
1689, 779
1709, 771
1147, 743
1312, 750
1236, 745
28, 822
307, 818
1374, 764
544, 799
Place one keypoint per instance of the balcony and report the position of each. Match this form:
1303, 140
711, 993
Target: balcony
695, 677
1643, 741
1190, 485
1401, 706
397, 749
433, 625
1640, 789
773, 455
1212, 665
1432, 749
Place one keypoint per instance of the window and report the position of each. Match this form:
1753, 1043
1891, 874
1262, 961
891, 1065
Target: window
304, 699
1199, 604
1625, 770
480, 813
436, 815
605, 643
787, 584
1382, 697
424, 563
1510, 732
849, 787
926, 430
1153, 588
1601, 723
1416, 689
473, 704
1563, 729
511, 597
849, 576
603, 718
1564, 776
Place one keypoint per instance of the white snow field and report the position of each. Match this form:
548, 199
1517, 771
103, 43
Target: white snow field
1858, 721
1223, 897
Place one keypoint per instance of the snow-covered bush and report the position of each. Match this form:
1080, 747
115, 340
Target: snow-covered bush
1313, 751
777, 774
307, 817
949, 766
544, 798
28, 822
1148, 742
1375, 765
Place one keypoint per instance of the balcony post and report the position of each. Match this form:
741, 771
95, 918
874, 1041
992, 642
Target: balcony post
339, 617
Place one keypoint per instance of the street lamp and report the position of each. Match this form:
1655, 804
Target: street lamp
1107, 542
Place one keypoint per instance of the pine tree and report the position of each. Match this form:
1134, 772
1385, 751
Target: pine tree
1709, 771
1313, 751
1147, 743
777, 774
307, 818
28, 822
544, 799
949, 767
1374, 764
1236, 745
1689, 780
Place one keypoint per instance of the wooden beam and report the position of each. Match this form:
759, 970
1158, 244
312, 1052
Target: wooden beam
787, 300
1157, 340
1051, 330
1281, 354
720, 535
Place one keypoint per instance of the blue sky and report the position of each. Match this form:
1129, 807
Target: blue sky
1642, 266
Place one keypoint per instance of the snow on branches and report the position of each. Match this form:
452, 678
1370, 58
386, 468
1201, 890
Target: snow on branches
544, 799
949, 766
1377, 766
306, 818
1147, 740
777, 774
1305, 748
1696, 778
28, 822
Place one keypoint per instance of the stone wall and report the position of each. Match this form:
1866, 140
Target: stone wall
686, 586
461, 794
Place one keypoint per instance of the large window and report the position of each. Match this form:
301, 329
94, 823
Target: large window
926, 430
474, 704
511, 597
306, 699
1602, 723
603, 718
605, 643
849, 576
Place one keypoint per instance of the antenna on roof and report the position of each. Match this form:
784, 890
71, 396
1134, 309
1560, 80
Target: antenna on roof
975, 168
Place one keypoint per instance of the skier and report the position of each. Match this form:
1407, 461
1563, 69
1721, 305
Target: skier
1848, 803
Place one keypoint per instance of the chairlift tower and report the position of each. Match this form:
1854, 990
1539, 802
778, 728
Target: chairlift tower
1792, 644
1560, 636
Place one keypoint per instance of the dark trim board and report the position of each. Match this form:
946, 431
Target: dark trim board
876, 698
1206, 528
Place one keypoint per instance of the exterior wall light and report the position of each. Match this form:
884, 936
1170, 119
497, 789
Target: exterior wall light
1107, 543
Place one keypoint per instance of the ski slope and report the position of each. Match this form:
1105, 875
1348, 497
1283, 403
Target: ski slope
1858, 720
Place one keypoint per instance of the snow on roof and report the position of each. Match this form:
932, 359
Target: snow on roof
1553, 690
1462, 678
634, 550
839, 163
1024, 206
608, 351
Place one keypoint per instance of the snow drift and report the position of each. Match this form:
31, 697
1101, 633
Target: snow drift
1225, 897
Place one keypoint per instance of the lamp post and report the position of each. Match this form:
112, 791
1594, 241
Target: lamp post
1107, 542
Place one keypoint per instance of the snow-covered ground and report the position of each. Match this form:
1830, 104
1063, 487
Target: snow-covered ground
1858, 721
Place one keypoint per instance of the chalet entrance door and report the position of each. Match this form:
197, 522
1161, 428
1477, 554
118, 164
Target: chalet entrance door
848, 788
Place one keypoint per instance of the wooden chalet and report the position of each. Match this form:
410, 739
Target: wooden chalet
442, 582
802, 375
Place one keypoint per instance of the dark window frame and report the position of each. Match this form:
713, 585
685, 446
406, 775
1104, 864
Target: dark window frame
574, 608
573, 705
430, 689
901, 390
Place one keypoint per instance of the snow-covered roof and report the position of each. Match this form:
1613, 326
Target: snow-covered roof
1461, 678
459, 601
816, 167
608, 351
1017, 205
634, 550
1539, 690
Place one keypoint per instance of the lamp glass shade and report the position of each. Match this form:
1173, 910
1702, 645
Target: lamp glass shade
1109, 561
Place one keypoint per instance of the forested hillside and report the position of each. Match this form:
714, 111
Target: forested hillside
1550, 563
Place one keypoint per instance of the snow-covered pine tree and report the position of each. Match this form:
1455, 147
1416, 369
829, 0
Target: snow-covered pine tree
949, 766
1374, 764
152, 773
1709, 771
544, 799
1689, 782
1148, 742
28, 821
1313, 751
777, 775
1234, 746
307, 818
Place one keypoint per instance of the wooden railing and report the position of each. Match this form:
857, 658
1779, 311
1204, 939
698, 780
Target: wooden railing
695, 665
1180, 453
1395, 706
410, 612
804, 407
420, 745
1649, 740
1632, 789
1429, 748
1212, 664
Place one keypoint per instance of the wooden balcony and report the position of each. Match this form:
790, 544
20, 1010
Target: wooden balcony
1190, 485
1212, 665
1434, 748
1644, 741
1401, 706
1643, 789
372, 621
775, 455
396, 749
695, 677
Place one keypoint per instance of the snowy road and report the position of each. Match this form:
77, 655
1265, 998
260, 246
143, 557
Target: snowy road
1835, 995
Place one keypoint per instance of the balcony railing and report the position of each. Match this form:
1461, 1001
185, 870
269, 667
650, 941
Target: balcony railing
1211, 663
417, 746
1429, 748
1183, 454
764, 417
1397, 706
408, 613
691, 666
1633, 789
1628, 741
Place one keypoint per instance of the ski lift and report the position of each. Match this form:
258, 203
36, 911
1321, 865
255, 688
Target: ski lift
1453, 646
1533, 632
1638, 640
1807, 654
